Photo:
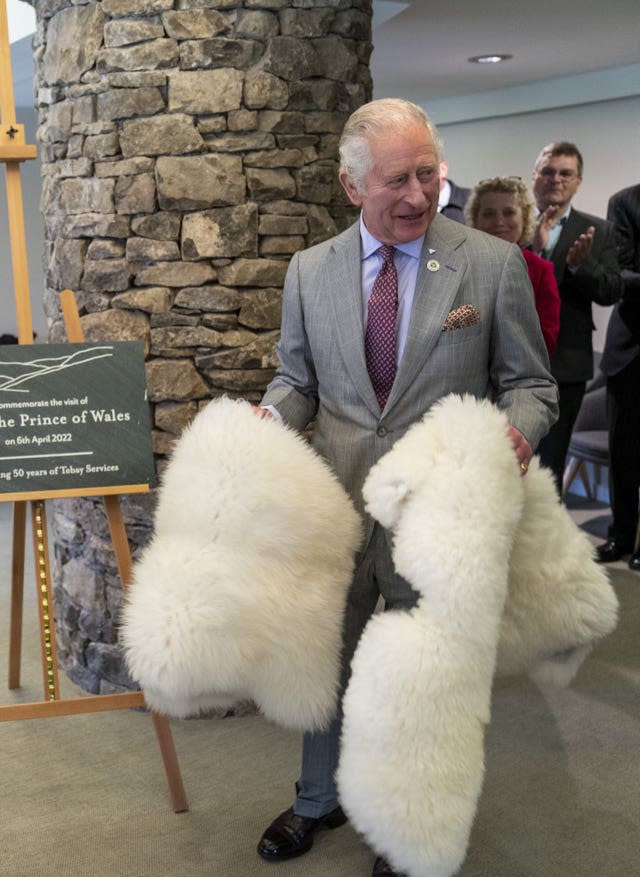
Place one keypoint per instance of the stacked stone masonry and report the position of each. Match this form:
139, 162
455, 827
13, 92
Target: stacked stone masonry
188, 148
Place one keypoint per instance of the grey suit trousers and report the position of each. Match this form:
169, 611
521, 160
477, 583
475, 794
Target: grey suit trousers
374, 577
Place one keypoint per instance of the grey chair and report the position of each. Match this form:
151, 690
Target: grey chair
589, 440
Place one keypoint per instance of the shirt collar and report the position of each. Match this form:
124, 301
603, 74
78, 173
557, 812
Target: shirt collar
370, 244
445, 195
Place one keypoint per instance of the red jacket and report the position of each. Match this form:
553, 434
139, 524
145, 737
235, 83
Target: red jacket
547, 297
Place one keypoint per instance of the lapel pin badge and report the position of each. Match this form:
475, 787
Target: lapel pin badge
433, 265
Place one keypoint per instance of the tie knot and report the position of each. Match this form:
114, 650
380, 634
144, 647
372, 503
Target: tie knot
387, 253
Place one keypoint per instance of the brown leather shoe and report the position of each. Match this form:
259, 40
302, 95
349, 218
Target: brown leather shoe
290, 835
382, 868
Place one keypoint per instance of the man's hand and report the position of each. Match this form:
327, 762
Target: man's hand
262, 413
522, 448
546, 221
580, 248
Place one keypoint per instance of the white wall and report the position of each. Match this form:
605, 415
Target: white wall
607, 133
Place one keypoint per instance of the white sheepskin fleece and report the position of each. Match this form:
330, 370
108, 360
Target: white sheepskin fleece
412, 748
241, 592
504, 575
560, 601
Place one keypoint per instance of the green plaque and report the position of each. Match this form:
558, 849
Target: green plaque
74, 418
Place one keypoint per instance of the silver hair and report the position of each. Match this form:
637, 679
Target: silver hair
372, 119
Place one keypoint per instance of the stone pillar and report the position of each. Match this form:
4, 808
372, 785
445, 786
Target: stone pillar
188, 149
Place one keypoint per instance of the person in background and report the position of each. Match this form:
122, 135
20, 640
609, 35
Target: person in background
452, 198
583, 251
502, 206
621, 365
378, 323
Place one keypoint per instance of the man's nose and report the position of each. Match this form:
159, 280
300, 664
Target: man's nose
415, 189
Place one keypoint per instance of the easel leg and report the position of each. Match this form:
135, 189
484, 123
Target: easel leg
45, 600
160, 723
170, 760
17, 593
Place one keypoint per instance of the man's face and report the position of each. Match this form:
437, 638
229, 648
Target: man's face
400, 196
555, 181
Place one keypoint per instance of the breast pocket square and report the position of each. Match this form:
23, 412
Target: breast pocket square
459, 318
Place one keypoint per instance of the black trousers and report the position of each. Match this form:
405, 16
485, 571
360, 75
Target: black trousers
553, 448
623, 414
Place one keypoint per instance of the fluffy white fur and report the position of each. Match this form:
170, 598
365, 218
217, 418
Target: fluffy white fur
412, 749
502, 572
241, 592
560, 601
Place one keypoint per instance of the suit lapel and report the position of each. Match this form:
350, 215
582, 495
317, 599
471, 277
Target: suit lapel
434, 295
343, 280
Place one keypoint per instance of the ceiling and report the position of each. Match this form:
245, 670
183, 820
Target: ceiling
421, 53
421, 48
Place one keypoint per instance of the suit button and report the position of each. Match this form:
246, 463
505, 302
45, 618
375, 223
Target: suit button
382, 431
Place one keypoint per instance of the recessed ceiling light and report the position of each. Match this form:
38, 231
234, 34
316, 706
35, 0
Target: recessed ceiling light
489, 59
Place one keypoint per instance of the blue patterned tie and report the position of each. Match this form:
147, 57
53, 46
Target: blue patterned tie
380, 337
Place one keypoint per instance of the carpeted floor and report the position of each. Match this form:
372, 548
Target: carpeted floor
86, 795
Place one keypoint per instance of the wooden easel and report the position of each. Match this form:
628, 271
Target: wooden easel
13, 151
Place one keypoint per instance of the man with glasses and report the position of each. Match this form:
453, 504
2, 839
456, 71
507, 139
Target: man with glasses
583, 251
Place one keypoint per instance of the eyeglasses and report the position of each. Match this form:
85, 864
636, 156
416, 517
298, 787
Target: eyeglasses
550, 173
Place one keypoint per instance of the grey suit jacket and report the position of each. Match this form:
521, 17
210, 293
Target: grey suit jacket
323, 373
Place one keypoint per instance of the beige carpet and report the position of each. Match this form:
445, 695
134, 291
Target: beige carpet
86, 795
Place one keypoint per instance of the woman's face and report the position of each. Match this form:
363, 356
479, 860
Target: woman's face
500, 214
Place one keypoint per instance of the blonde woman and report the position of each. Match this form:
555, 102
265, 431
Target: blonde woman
502, 206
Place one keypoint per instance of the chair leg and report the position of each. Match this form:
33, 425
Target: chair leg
586, 483
570, 472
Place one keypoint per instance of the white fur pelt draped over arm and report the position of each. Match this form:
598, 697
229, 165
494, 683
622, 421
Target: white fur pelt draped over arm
469, 535
560, 601
241, 592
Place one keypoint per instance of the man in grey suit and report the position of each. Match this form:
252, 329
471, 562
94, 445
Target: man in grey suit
583, 251
465, 322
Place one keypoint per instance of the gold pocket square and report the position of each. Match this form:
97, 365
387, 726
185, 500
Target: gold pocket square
458, 318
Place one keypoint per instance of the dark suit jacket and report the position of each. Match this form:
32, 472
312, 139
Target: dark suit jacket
457, 199
596, 280
622, 345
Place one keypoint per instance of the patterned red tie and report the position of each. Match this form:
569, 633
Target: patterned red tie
380, 337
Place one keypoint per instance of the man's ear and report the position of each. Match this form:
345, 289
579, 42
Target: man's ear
350, 189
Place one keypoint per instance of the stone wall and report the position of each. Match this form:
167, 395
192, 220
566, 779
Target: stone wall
188, 150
